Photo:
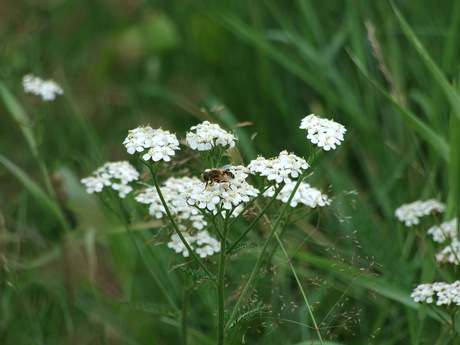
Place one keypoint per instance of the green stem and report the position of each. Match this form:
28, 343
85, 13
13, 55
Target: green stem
126, 222
185, 306
300, 288
221, 291
454, 328
262, 252
173, 222
254, 222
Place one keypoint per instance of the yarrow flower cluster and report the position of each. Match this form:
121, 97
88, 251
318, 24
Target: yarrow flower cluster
305, 195
207, 135
47, 89
116, 175
323, 132
153, 144
411, 213
442, 293
280, 169
174, 190
202, 243
226, 195
445, 231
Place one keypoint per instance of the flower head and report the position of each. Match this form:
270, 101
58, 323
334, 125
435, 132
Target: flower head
323, 132
305, 195
410, 213
450, 253
152, 144
174, 190
442, 293
445, 231
116, 175
279, 169
207, 135
202, 243
226, 195
47, 89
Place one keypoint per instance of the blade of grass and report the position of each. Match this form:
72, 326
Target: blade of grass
451, 94
20, 116
42, 199
419, 126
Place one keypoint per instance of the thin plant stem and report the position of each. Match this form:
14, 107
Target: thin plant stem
185, 306
127, 225
454, 328
174, 224
262, 252
254, 222
304, 296
221, 290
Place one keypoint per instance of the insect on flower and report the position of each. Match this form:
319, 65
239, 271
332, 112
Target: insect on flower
217, 175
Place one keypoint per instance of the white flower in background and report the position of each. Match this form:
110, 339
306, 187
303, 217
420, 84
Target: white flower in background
202, 243
207, 135
225, 195
174, 191
47, 89
151, 144
442, 293
116, 175
279, 169
410, 213
323, 132
305, 195
450, 253
445, 231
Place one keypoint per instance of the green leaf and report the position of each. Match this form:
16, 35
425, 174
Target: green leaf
420, 127
245, 314
42, 199
151, 308
451, 93
195, 273
20, 116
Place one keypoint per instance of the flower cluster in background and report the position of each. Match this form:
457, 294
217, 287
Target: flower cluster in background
115, 175
305, 195
280, 169
441, 293
202, 243
47, 89
324, 133
411, 213
152, 144
206, 135
447, 234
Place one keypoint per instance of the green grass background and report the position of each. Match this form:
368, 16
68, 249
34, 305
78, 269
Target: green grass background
67, 264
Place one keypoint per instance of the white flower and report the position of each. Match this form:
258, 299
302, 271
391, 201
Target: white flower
208, 135
410, 213
117, 175
202, 243
46, 89
153, 144
445, 231
450, 253
225, 195
305, 195
446, 294
323, 132
174, 192
279, 169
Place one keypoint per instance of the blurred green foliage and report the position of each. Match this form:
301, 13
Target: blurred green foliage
127, 63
